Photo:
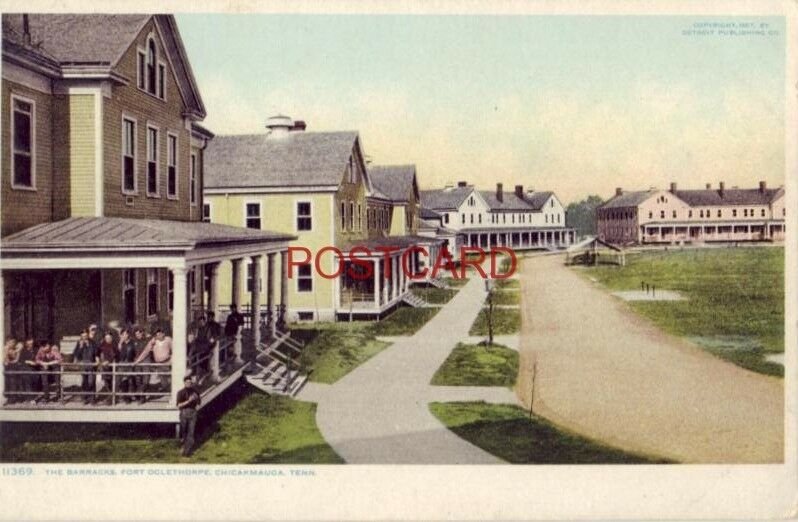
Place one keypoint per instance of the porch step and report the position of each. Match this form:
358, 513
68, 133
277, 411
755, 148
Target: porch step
275, 378
413, 300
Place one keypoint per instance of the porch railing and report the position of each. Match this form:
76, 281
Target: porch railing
359, 299
119, 381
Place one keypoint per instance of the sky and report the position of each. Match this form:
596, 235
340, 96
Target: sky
577, 105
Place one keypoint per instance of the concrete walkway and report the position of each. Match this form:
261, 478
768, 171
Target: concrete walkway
379, 412
605, 372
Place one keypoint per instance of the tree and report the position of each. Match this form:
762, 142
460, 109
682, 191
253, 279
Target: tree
582, 215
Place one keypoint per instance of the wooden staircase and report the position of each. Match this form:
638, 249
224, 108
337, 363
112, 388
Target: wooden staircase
438, 283
276, 369
413, 300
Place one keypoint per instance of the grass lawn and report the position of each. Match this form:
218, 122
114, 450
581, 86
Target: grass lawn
735, 299
507, 432
506, 298
508, 283
403, 321
435, 295
506, 321
332, 350
253, 428
478, 365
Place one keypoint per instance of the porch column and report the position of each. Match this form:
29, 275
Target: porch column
179, 331
394, 277
376, 283
213, 306
283, 289
199, 276
235, 298
270, 315
255, 302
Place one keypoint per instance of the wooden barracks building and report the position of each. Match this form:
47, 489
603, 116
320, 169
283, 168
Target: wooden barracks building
697, 216
102, 197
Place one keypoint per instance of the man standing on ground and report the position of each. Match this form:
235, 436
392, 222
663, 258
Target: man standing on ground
188, 400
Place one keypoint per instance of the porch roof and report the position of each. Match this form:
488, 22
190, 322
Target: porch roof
108, 237
401, 242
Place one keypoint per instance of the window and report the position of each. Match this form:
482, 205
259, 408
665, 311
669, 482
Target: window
206, 212
192, 180
171, 166
763, 212
170, 290
359, 217
662, 214
446, 218
480, 218
142, 69
504, 218
252, 215
552, 202
745, 212
151, 70
650, 215
161, 81
472, 219
152, 292
463, 216
129, 296
251, 277
23, 144
303, 217
152, 161
720, 213
558, 217
128, 155
471, 201
351, 215
547, 218
304, 316
689, 213
343, 215
734, 212
304, 278
674, 214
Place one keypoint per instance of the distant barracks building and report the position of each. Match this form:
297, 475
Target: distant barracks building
697, 216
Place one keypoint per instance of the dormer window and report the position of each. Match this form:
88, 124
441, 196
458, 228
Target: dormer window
151, 71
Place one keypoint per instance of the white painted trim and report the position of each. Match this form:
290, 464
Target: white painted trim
157, 193
244, 211
27, 78
161, 78
269, 190
141, 81
135, 191
36, 262
193, 188
296, 215
93, 414
176, 136
32, 103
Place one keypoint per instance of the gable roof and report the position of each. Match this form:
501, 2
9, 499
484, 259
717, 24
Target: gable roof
427, 213
629, 199
536, 200
729, 197
446, 198
509, 201
300, 159
67, 42
395, 181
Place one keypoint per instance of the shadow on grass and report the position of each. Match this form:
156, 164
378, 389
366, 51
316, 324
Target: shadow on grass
509, 433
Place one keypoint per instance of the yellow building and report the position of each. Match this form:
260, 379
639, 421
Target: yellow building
314, 185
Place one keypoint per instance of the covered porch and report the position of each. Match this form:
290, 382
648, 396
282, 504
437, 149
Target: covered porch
154, 274
520, 239
374, 285
719, 231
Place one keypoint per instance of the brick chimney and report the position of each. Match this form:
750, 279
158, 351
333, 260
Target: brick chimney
462, 184
499, 192
763, 186
618, 191
673, 187
722, 188
519, 191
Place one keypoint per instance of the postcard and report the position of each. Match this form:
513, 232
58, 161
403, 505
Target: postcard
461, 260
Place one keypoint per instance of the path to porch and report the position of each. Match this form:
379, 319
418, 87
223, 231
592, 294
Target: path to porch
379, 413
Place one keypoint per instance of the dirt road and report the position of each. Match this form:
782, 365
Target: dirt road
607, 373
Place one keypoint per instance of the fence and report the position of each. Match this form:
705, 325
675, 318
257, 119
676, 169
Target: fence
119, 381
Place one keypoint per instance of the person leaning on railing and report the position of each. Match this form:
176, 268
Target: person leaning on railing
27, 361
108, 356
48, 360
141, 365
160, 346
86, 354
11, 351
126, 383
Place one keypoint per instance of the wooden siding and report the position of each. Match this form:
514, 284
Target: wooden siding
81, 154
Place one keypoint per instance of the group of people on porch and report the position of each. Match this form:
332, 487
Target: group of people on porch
125, 361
